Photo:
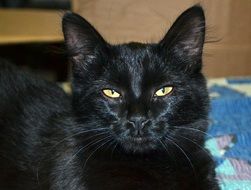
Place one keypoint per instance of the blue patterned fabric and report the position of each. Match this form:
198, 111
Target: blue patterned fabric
229, 138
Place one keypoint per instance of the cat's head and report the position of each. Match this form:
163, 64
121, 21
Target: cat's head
139, 93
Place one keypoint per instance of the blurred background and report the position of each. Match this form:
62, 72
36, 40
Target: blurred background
30, 31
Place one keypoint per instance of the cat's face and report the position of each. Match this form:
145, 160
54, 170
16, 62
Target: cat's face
139, 93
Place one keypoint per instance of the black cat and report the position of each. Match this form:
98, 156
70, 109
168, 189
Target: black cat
136, 120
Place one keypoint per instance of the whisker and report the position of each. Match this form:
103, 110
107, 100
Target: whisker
115, 146
95, 151
183, 152
164, 145
89, 144
64, 139
75, 134
98, 134
201, 147
193, 129
95, 142
112, 142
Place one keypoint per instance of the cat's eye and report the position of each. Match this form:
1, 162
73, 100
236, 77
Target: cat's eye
111, 93
163, 91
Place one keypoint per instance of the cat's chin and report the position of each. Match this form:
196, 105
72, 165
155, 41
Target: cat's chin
138, 144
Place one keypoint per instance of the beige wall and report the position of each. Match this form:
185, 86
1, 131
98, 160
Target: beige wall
147, 20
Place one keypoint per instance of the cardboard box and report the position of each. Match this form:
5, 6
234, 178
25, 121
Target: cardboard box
30, 26
228, 21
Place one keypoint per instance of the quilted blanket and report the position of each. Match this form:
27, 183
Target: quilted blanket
229, 135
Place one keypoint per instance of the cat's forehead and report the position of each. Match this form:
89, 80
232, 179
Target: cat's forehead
135, 66
126, 68
133, 54
135, 45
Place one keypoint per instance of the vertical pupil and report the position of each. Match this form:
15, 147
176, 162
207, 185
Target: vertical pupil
112, 92
163, 90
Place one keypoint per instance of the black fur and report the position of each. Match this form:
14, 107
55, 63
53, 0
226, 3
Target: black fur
90, 142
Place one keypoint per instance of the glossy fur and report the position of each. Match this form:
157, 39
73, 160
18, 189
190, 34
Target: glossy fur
91, 142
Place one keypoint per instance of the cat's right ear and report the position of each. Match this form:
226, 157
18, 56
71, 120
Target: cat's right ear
83, 42
185, 39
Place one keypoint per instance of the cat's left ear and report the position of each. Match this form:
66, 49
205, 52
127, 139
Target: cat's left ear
184, 41
84, 44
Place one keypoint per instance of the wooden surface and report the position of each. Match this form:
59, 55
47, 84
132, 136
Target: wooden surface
30, 26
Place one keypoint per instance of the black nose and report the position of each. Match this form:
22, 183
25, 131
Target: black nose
138, 122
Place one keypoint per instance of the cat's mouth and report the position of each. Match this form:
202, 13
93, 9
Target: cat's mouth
138, 144
139, 139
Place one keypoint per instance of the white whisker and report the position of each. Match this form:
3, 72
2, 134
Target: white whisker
183, 152
202, 148
95, 151
193, 129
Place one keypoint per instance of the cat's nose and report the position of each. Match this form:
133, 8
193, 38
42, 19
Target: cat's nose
138, 122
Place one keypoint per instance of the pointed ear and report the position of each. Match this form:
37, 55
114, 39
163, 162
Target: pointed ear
186, 37
82, 41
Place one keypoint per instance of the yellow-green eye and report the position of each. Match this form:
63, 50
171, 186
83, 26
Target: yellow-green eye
163, 91
111, 93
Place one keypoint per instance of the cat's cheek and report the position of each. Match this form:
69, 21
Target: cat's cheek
119, 108
159, 108
111, 102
